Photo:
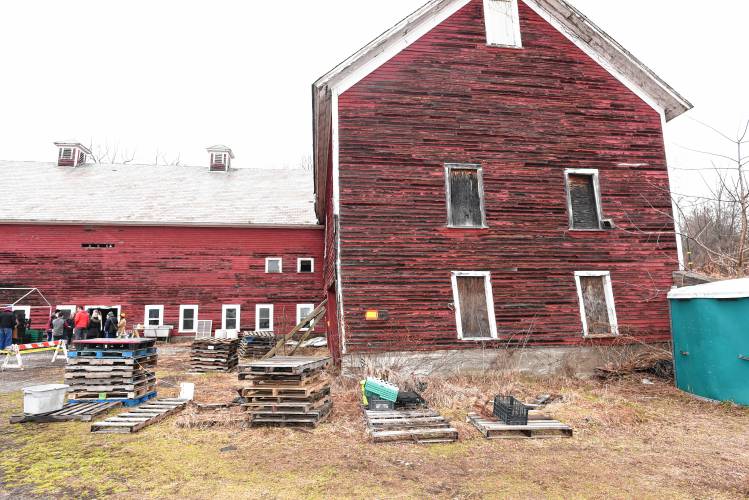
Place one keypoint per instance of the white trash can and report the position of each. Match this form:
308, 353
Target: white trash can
42, 399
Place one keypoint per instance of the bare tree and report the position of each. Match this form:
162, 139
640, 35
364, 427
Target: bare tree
715, 228
110, 153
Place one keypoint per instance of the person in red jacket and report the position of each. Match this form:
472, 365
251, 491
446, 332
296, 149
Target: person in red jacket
80, 323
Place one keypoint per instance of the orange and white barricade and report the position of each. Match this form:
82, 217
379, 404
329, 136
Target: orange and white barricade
16, 350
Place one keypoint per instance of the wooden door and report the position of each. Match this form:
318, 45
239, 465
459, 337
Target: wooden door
475, 319
596, 308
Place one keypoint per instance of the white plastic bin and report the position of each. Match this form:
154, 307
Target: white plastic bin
44, 398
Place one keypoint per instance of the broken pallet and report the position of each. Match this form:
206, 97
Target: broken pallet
136, 419
419, 426
78, 412
493, 428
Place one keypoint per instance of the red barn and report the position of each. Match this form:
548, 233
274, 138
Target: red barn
168, 245
493, 173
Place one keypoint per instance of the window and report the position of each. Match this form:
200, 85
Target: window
583, 199
22, 310
264, 317
465, 196
154, 316
67, 311
273, 265
188, 319
302, 311
66, 153
502, 23
474, 305
305, 265
97, 245
230, 316
597, 309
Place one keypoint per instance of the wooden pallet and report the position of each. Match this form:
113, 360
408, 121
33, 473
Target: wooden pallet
287, 365
91, 395
125, 401
286, 406
79, 412
493, 428
113, 354
419, 426
304, 379
142, 361
96, 385
138, 418
292, 419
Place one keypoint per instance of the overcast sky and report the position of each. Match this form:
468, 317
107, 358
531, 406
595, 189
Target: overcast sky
176, 76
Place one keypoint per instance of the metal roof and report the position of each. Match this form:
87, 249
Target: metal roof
38, 192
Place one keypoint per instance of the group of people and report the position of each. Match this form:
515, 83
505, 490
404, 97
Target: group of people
8, 322
83, 325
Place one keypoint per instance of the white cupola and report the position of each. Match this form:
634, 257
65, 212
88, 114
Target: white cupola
221, 157
71, 154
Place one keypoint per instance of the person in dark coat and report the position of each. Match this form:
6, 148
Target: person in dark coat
110, 326
94, 325
7, 323
67, 330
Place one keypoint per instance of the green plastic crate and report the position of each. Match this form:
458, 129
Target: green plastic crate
383, 389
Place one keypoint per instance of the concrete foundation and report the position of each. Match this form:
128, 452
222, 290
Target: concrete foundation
570, 361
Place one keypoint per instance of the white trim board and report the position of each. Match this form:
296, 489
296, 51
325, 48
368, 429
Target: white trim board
489, 303
610, 303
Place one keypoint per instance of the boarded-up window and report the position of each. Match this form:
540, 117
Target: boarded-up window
474, 307
583, 201
597, 307
502, 23
465, 196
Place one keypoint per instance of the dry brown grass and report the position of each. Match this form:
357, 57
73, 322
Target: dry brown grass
631, 441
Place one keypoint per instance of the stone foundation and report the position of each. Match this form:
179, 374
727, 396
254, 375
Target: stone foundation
578, 361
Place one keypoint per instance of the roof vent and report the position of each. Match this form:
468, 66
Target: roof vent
221, 157
71, 154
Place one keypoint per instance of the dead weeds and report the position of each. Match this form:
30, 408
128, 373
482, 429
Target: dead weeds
631, 440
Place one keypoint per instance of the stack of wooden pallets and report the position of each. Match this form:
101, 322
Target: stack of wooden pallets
287, 391
112, 370
256, 344
214, 355
417, 426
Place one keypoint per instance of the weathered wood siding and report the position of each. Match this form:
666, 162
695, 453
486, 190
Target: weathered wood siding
167, 266
525, 115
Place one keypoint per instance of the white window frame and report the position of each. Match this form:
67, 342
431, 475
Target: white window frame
257, 317
448, 194
182, 309
103, 319
487, 275
160, 308
299, 264
610, 303
226, 307
592, 172
25, 309
280, 264
490, 29
299, 316
72, 309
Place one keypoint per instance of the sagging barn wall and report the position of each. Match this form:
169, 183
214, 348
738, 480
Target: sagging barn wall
169, 266
524, 115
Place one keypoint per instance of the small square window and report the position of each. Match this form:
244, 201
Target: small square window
273, 265
306, 265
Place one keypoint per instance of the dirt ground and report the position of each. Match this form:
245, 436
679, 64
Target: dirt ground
631, 441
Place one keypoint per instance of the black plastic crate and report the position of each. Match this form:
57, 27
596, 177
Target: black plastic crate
510, 411
379, 404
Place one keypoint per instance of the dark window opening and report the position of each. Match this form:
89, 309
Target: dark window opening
305, 266
97, 245
465, 193
583, 202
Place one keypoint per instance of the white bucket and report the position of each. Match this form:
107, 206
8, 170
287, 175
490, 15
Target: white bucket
44, 398
186, 391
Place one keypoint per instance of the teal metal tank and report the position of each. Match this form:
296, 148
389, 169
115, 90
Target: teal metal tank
710, 326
